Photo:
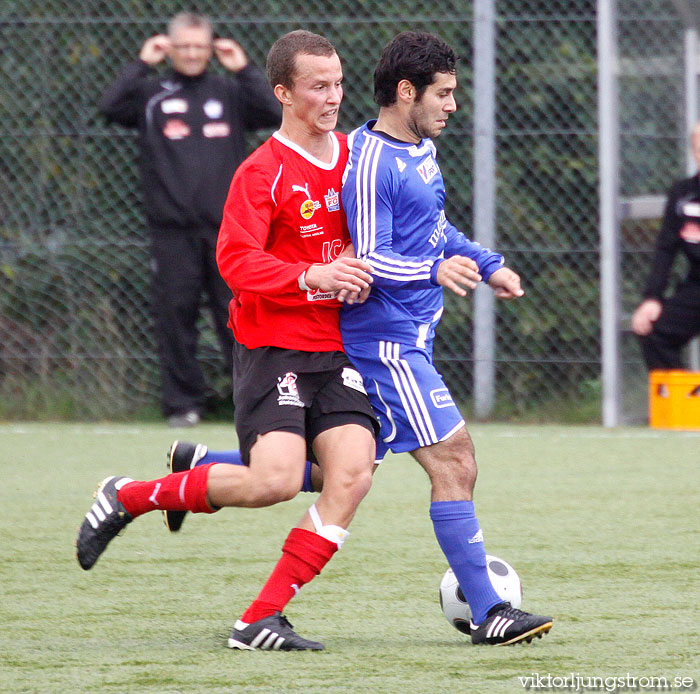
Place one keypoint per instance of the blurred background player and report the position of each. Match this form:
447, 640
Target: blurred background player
192, 125
666, 325
394, 196
296, 393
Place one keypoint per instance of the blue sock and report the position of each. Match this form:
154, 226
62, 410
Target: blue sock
307, 486
231, 457
234, 458
459, 535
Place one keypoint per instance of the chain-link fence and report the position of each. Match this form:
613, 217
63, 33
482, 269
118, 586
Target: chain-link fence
653, 152
75, 327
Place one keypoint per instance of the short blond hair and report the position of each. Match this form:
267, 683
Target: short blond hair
281, 59
189, 20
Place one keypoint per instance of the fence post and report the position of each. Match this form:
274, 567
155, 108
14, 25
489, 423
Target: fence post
484, 38
608, 158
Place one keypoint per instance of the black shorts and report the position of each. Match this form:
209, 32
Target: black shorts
305, 393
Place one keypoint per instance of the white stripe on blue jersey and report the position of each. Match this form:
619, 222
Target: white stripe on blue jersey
393, 196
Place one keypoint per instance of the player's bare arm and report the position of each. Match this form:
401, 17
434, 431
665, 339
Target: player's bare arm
458, 272
230, 54
155, 49
506, 284
348, 252
342, 275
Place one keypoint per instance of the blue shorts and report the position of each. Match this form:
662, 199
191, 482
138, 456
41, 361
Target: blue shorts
408, 395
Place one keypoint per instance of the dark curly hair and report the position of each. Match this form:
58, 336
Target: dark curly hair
412, 56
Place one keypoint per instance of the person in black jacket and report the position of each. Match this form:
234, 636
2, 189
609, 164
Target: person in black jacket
666, 325
192, 125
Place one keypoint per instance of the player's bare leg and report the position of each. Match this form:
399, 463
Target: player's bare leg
346, 462
275, 473
452, 469
184, 455
346, 456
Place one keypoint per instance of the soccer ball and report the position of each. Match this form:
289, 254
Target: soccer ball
504, 579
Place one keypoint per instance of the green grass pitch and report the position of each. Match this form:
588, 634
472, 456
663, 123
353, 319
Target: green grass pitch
602, 526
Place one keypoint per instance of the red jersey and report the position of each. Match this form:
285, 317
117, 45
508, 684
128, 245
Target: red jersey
283, 214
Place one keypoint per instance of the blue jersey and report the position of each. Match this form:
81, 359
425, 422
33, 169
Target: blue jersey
394, 196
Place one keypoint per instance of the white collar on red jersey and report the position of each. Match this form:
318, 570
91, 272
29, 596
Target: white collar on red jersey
328, 166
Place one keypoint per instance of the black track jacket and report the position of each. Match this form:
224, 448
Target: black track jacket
192, 136
669, 243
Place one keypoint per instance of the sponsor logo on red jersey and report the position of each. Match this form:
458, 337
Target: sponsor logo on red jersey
306, 230
308, 207
332, 199
318, 295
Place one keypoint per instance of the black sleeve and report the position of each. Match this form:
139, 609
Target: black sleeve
259, 105
120, 102
668, 244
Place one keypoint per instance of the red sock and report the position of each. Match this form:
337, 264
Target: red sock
181, 491
304, 554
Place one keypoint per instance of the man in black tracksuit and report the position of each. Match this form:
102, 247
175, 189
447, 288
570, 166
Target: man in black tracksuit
192, 126
666, 325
